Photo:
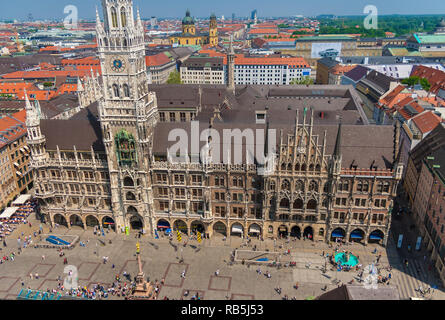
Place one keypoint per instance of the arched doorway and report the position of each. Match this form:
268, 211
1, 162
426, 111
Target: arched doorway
254, 230
108, 222
197, 226
91, 221
338, 234
76, 221
308, 233
376, 236
237, 230
282, 231
163, 225
220, 228
181, 226
60, 220
357, 235
136, 222
295, 232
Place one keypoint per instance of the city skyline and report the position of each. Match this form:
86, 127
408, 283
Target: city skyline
200, 8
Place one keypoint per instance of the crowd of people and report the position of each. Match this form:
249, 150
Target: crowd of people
9, 225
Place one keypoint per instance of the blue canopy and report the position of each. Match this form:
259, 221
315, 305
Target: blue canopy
356, 235
163, 224
375, 237
337, 234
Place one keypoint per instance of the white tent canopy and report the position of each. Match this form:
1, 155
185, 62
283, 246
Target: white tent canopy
8, 212
254, 229
21, 199
237, 228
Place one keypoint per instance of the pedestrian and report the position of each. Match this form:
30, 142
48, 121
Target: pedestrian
217, 272
43, 257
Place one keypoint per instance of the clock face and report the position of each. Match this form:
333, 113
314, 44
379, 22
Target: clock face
117, 64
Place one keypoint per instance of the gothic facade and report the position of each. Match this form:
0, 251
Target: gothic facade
331, 174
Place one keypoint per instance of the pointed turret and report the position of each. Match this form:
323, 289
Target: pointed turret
337, 149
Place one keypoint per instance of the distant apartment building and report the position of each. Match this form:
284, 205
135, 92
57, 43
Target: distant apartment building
203, 70
248, 70
15, 172
270, 70
159, 67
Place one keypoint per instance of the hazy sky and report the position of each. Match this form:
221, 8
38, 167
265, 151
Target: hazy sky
40, 9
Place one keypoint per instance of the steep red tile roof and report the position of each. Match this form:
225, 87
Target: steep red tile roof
435, 77
426, 121
157, 60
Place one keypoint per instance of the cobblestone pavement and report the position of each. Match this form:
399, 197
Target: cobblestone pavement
161, 261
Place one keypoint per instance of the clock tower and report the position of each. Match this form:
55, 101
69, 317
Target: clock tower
127, 111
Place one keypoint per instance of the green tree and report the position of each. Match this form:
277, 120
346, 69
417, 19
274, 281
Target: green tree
305, 80
174, 78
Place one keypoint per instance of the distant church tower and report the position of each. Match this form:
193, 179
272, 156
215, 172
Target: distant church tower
127, 111
231, 67
213, 31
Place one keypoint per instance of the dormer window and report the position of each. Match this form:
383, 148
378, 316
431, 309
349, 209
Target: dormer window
260, 117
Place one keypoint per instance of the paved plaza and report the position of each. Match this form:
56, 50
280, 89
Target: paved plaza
160, 260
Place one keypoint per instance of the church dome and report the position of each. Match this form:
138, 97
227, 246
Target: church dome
188, 19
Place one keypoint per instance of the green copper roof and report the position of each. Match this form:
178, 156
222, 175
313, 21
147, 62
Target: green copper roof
430, 38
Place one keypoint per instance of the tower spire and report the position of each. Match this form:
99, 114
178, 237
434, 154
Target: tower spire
337, 152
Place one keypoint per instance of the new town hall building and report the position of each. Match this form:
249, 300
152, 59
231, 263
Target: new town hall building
330, 173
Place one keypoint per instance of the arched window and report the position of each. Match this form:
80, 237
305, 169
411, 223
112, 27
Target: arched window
299, 186
313, 186
297, 167
303, 167
326, 187
106, 42
131, 196
116, 91
126, 91
284, 203
298, 204
272, 186
114, 17
123, 17
125, 148
125, 43
312, 205
289, 167
128, 182
285, 185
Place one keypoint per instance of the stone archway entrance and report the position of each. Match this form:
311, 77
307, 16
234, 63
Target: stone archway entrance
308, 233
220, 228
197, 226
91, 221
295, 232
108, 222
76, 221
282, 231
254, 230
181, 226
136, 222
237, 230
357, 235
60, 220
338, 234
376, 236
